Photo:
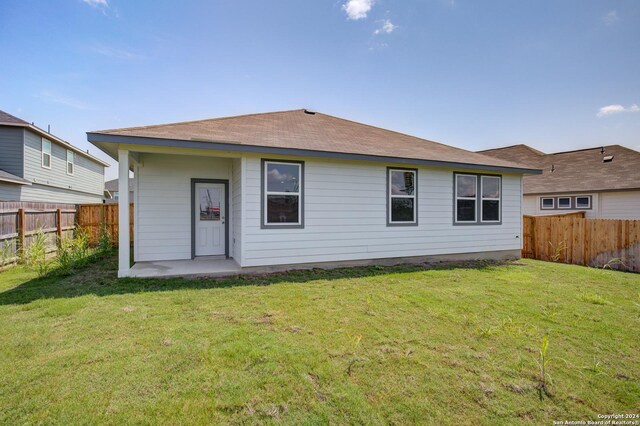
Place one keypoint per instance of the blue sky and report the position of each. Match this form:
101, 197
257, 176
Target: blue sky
557, 75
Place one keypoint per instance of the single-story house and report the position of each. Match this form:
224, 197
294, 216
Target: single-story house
603, 182
112, 193
38, 166
299, 188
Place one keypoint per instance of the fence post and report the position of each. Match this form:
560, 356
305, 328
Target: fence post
21, 226
59, 223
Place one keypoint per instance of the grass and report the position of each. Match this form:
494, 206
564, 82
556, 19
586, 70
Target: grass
445, 345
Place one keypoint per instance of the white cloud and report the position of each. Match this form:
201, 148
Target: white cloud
610, 18
55, 98
386, 27
116, 53
357, 9
617, 109
97, 3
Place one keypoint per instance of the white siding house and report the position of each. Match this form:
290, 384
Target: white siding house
603, 182
288, 209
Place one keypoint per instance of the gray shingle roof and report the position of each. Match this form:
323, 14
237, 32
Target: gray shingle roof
576, 171
8, 118
8, 177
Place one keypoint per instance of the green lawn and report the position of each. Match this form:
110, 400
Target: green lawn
451, 344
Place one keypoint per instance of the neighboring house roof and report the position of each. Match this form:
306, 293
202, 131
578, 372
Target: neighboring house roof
8, 177
300, 132
582, 170
7, 119
112, 185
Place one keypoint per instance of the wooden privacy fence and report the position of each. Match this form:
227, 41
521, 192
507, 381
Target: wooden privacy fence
92, 216
19, 221
591, 242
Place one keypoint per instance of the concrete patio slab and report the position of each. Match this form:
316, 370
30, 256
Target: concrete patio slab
198, 267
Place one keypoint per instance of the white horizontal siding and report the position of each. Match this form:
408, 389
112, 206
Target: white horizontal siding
620, 205
533, 202
345, 217
163, 206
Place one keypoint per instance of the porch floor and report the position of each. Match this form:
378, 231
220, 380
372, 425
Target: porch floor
203, 267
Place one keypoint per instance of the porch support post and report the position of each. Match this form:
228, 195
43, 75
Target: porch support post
124, 241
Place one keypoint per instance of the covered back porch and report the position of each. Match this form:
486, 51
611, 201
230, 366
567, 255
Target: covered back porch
187, 212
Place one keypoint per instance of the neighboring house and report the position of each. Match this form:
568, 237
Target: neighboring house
604, 182
38, 166
303, 188
111, 192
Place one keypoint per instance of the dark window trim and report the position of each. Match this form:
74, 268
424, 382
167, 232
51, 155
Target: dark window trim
193, 213
478, 221
415, 203
263, 191
573, 201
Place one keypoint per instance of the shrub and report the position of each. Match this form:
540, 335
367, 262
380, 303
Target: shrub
6, 253
73, 252
34, 255
105, 244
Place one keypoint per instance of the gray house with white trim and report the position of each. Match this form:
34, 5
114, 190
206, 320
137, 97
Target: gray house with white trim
40, 167
297, 189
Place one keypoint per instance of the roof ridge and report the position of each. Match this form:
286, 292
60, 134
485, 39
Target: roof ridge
196, 121
592, 148
524, 145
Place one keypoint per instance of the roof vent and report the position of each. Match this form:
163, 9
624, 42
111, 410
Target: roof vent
306, 111
607, 158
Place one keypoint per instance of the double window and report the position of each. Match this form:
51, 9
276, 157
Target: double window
402, 191
282, 194
478, 198
46, 153
70, 164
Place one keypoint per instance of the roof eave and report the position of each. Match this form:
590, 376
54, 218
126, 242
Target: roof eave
97, 139
66, 144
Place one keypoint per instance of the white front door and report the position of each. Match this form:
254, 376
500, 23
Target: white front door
210, 213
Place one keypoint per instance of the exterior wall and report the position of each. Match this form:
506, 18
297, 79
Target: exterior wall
620, 205
345, 214
10, 191
88, 177
532, 203
529, 205
604, 205
51, 194
163, 203
11, 160
236, 209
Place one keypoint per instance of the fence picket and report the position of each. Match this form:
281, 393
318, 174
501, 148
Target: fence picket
593, 242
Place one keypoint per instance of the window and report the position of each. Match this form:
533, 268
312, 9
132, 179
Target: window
466, 191
548, 203
402, 191
583, 202
564, 202
69, 162
282, 186
46, 153
490, 207
477, 198
115, 195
